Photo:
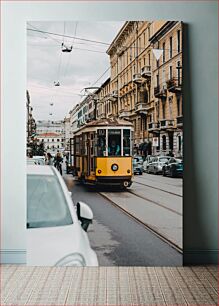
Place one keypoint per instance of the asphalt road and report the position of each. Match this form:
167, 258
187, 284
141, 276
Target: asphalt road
117, 238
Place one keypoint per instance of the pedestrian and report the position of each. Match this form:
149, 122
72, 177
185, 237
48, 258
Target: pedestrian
57, 161
49, 160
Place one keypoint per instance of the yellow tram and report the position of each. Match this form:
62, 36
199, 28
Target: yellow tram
102, 152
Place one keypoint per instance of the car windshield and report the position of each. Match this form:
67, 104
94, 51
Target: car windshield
33, 161
46, 203
163, 160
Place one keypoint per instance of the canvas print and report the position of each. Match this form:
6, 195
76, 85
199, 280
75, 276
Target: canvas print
104, 130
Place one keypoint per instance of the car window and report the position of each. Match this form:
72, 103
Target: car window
163, 159
46, 203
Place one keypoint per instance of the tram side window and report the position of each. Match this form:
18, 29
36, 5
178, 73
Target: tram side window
126, 143
77, 145
101, 142
114, 142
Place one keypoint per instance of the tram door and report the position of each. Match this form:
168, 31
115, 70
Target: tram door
90, 152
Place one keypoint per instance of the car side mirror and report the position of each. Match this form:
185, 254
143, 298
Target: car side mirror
85, 214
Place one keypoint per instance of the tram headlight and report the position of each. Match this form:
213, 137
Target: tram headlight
99, 171
114, 167
128, 171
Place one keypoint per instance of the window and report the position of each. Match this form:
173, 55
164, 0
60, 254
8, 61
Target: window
178, 72
101, 142
171, 47
164, 143
178, 40
171, 72
126, 142
57, 139
178, 106
149, 59
157, 76
163, 108
53, 140
114, 142
164, 52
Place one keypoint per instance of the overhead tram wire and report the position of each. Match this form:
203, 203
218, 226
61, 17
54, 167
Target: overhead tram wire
84, 39
68, 60
100, 76
60, 40
68, 36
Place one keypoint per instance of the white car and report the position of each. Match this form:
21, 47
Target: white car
146, 162
56, 229
156, 164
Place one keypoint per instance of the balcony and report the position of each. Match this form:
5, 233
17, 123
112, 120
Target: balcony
174, 85
179, 121
146, 72
160, 92
124, 113
165, 124
141, 108
153, 127
137, 78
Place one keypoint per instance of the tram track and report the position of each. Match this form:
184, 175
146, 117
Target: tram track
145, 225
154, 202
157, 188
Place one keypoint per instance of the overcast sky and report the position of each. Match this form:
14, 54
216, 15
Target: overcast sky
46, 64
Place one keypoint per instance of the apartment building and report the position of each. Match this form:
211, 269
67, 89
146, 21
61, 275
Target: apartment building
104, 100
138, 81
167, 122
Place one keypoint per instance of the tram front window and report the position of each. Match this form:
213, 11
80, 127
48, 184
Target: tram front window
101, 142
114, 142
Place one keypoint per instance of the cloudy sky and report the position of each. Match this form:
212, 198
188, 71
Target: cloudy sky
46, 63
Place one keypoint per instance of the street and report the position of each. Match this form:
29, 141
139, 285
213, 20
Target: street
138, 227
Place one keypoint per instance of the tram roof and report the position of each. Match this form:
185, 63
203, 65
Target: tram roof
107, 122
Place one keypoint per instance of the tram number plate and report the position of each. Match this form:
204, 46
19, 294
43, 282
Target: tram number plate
114, 132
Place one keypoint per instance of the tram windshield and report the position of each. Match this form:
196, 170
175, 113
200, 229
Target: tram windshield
114, 142
101, 142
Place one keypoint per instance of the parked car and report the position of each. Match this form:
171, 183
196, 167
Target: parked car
137, 166
157, 163
173, 168
139, 159
56, 229
35, 161
148, 159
